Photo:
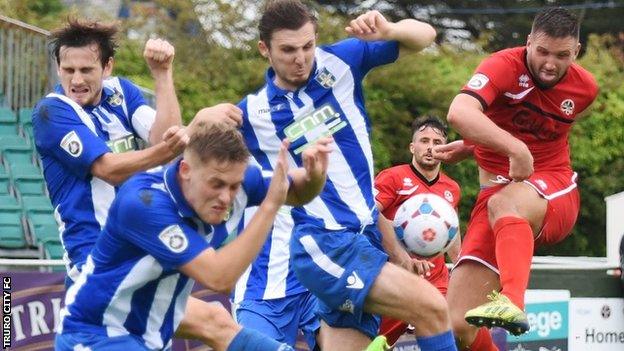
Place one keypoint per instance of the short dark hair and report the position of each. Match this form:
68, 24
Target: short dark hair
217, 142
433, 122
284, 14
79, 33
556, 22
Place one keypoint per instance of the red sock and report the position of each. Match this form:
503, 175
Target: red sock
483, 342
392, 329
514, 251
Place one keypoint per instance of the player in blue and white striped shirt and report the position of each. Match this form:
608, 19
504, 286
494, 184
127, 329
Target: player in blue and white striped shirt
88, 130
314, 91
160, 233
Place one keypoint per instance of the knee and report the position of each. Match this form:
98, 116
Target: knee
436, 313
216, 324
497, 204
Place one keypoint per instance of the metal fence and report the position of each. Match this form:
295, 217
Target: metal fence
26, 69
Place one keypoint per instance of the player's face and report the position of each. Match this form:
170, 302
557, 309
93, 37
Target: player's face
422, 143
549, 58
82, 74
291, 54
210, 188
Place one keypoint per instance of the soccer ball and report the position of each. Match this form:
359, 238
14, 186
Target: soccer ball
426, 224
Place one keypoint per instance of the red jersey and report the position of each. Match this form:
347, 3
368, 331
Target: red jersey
396, 184
540, 117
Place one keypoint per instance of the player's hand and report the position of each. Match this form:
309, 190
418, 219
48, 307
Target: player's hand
159, 55
276, 195
221, 113
402, 259
452, 152
176, 139
370, 26
316, 158
520, 164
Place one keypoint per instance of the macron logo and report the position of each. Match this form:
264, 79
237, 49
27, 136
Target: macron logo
520, 95
354, 281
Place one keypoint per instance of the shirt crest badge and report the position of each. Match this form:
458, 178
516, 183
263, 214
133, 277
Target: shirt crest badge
325, 78
116, 99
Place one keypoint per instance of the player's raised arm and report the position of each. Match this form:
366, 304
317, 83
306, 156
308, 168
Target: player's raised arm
307, 182
412, 34
159, 54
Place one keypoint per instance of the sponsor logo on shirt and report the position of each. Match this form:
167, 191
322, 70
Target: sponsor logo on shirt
123, 144
325, 78
347, 306
72, 144
478, 81
321, 122
407, 182
523, 81
567, 107
354, 281
174, 239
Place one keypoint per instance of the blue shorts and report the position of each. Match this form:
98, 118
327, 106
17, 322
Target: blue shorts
95, 342
281, 319
339, 267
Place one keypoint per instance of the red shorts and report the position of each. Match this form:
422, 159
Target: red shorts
394, 328
562, 194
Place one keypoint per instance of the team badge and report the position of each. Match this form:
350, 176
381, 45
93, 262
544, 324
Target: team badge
523, 81
325, 78
116, 99
478, 81
174, 239
448, 196
72, 144
567, 107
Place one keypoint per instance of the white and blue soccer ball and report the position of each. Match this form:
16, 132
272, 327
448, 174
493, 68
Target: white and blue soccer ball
426, 224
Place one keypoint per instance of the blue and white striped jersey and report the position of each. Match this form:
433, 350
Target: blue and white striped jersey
331, 102
69, 139
130, 283
270, 275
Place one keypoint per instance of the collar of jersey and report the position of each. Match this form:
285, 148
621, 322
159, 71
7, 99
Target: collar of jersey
274, 91
106, 92
173, 187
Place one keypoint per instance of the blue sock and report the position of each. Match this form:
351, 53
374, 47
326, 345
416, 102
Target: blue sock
251, 340
440, 342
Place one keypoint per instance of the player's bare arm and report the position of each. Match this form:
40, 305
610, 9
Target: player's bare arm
221, 113
115, 168
310, 180
467, 117
413, 35
159, 54
220, 269
453, 152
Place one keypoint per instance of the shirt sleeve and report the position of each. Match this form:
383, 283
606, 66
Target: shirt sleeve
256, 185
160, 232
385, 189
60, 133
362, 56
491, 78
142, 116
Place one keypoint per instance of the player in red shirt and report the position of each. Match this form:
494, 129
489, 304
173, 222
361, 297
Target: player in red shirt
395, 185
515, 115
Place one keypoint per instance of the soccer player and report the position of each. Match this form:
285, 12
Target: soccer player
132, 291
516, 111
88, 131
397, 184
313, 91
